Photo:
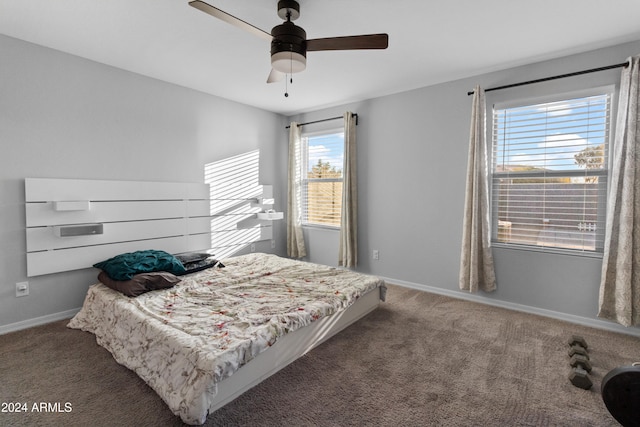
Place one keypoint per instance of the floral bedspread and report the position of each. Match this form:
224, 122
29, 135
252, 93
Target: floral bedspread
184, 340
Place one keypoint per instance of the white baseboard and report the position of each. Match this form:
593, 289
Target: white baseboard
29, 323
585, 321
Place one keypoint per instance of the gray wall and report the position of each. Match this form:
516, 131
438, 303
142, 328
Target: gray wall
412, 150
65, 117
62, 116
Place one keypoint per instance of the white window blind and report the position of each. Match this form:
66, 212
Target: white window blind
322, 178
549, 173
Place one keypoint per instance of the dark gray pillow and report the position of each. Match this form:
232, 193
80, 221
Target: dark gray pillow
188, 257
140, 283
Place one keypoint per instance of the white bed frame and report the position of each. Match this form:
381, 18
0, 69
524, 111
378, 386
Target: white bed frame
72, 224
290, 347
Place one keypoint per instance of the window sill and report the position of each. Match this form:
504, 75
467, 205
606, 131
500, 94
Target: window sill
321, 227
547, 250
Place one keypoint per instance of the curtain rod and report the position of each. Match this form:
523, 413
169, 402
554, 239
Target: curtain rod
561, 76
326, 120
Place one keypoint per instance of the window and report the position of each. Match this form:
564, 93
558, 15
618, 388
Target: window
549, 172
322, 178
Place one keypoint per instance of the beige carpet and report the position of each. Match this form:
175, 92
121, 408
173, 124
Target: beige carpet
419, 360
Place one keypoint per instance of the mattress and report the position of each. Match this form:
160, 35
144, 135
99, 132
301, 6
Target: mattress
184, 341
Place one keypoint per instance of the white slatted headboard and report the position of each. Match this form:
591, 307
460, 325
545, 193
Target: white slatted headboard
131, 215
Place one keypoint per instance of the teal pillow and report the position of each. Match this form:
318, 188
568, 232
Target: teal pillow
125, 266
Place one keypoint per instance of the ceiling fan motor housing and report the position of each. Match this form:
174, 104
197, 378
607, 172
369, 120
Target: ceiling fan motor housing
288, 48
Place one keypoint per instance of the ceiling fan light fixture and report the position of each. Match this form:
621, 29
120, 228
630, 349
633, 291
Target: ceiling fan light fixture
288, 62
288, 48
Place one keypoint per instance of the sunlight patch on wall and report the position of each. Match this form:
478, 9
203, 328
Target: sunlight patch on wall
234, 189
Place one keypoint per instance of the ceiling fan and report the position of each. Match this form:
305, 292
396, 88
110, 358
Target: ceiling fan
289, 44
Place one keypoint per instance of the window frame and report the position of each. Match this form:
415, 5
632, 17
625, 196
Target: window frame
304, 164
602, 174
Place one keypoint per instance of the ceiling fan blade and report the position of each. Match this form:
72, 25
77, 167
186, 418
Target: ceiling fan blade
275, 76
367, 41
230, 19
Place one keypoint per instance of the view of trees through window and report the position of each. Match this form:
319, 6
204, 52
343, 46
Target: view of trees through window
322, 183
549, 173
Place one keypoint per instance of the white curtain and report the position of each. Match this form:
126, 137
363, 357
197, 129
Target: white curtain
348, 250
620, 281
295, 238
476, 263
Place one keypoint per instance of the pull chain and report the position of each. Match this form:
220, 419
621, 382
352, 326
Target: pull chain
286, 88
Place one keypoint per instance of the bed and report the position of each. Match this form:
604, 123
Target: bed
218, 332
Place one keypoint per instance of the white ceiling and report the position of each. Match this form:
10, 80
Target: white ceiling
429, 41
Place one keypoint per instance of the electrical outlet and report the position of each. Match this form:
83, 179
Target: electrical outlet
22, 289
376, 254
253, 247
273, 244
